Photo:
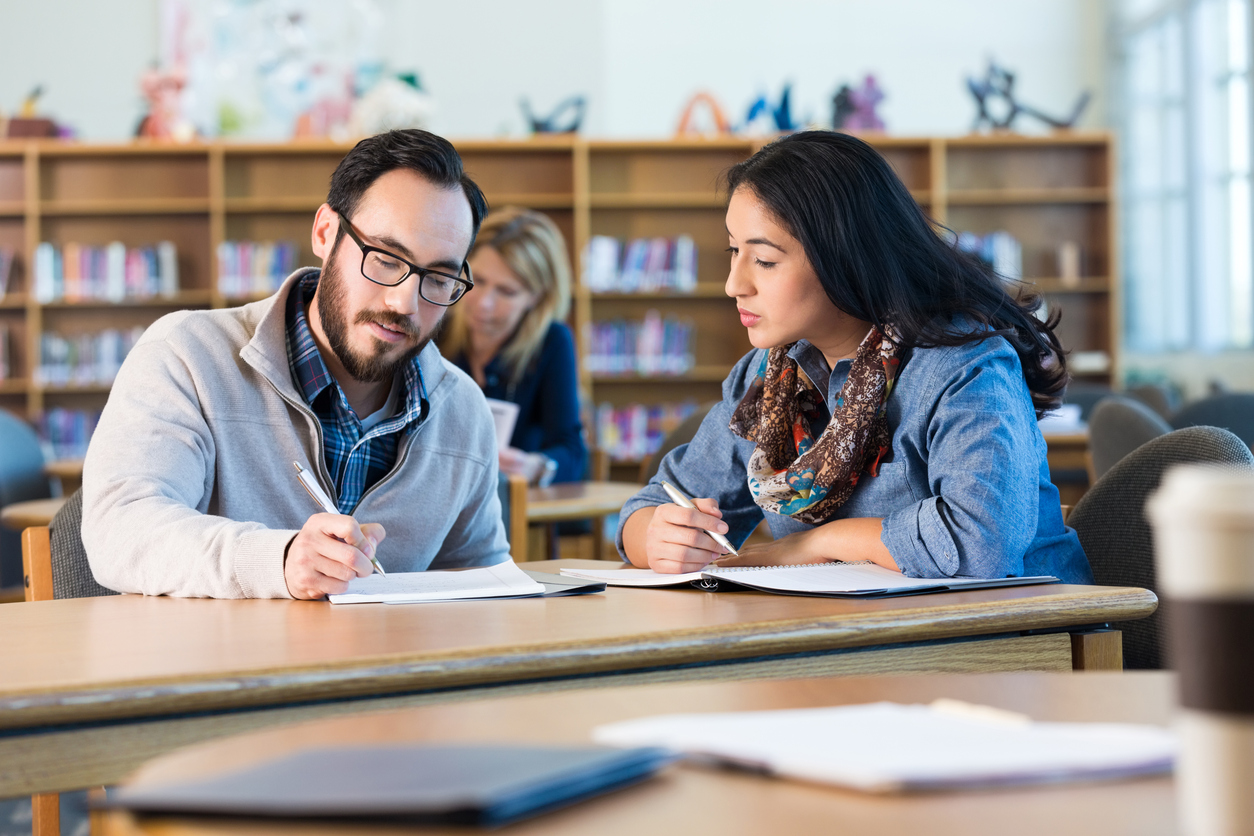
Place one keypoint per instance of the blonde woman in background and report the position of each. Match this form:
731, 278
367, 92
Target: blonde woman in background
509, 335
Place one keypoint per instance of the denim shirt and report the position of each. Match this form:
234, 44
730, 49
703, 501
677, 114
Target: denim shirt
965, 492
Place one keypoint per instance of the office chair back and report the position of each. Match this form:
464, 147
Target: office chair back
1157, 396
512, 491
1119, 425
1116, 535
54, 559
680, 435
1234, 411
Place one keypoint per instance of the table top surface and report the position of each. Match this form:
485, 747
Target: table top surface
106, 658
20, 515
63, 468
577, 500
692, 799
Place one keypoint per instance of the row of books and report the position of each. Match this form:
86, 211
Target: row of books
254, 268
636, 431
7, 257
653, 346
1000, 250
77, 272
67, 431
642, 265
84, 359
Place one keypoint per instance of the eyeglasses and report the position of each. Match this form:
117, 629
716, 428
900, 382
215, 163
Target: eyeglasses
382, 267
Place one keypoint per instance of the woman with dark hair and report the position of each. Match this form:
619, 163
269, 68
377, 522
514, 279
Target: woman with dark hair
888, 411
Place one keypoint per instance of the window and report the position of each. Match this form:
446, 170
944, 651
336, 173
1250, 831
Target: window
1186, 106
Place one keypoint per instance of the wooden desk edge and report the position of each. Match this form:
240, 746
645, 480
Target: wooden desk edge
399, 673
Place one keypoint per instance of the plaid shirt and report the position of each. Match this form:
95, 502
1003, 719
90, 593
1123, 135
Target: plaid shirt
356, 461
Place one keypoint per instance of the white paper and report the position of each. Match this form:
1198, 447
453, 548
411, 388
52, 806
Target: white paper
499, 581
504, 415
886, 747
632, 577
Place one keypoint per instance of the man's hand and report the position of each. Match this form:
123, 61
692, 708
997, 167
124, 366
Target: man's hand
328, 552
676, 540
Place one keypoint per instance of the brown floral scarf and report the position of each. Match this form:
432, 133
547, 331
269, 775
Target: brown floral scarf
790, 472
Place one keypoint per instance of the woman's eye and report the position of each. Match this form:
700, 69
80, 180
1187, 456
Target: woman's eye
733, 250
765, 265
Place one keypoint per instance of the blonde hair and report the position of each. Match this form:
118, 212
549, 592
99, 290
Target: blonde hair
533, 247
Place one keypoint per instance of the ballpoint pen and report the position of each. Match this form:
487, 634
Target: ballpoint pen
684, 502
315, 490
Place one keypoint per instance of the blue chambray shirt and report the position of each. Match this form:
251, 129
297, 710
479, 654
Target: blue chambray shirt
355, 460
965, 493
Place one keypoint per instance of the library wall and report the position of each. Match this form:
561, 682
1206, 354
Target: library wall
637, 60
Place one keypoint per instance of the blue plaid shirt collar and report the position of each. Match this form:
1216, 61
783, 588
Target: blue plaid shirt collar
355, 460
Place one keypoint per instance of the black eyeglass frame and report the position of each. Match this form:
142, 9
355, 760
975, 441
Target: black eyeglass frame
422, 272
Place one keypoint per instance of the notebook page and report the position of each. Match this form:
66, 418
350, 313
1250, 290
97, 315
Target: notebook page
822, 577
632, 577
503, 579
931, 749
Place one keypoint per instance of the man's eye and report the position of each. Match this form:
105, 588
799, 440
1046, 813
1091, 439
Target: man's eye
387, 263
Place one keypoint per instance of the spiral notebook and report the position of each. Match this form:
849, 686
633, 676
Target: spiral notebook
855, 580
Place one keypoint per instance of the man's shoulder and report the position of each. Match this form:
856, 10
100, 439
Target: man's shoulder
193, 329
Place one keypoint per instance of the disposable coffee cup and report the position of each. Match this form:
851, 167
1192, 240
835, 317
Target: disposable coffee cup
1203, 520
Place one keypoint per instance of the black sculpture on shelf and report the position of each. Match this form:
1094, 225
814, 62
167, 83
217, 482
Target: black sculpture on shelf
549, 124
994, 94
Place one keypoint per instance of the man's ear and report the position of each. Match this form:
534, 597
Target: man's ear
326, 227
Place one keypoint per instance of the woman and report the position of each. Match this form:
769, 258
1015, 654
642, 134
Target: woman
509, 336
888, 411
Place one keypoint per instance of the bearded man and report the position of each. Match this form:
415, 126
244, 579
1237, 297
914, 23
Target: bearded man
189, 487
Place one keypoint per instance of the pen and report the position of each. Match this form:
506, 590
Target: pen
684, 502
315, 490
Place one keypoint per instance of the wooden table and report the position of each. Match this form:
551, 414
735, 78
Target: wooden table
158, 662
68, 471
693, 799
22, 515
577, 501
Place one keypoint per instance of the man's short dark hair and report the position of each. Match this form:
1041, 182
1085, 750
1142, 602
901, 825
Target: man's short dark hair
433, 157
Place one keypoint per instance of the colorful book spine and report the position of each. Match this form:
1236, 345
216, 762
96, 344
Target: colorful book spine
254, 268
67, 431
641, 265
85, 359
634, 432
79, 272
654, 346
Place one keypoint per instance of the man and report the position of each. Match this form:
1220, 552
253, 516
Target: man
189, 487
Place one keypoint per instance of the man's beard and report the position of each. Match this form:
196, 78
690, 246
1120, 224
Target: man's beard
370, 368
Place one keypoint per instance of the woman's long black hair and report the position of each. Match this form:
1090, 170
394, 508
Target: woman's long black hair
880, 258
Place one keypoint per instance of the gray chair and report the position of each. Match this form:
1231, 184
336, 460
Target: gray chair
1117, 426
1116, 535
1085, 395
1157, 396
1234, 411
680, 435
22, 478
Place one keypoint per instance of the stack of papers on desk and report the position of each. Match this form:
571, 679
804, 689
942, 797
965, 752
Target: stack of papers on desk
886, 747
860, 580
504, 580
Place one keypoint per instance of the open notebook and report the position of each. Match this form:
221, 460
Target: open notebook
861, 580
504, 580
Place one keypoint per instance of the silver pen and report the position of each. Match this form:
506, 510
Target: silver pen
319, 496
684, 502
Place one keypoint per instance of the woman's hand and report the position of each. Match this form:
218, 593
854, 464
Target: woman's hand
515, 462
676, 539
850, 540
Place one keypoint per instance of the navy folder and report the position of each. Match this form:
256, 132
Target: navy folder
485, 785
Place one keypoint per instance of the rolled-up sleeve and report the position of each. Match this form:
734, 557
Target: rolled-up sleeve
983, 469
713, 464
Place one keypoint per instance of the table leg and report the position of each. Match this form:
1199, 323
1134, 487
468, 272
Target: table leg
1097, 650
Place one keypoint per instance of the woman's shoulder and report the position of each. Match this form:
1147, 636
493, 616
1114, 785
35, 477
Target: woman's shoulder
742, 375
558, 339
993, 352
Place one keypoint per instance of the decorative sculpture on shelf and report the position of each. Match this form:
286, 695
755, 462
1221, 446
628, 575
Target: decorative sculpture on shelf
575, 105
854, 109
998, 107
163, 89
688, 125
764, 119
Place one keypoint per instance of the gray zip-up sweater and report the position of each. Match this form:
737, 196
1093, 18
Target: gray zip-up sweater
188, 485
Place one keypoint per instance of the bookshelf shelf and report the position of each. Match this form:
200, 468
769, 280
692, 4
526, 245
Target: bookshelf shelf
1043, 190
185, 299
76, 389
137, 206
1000, 197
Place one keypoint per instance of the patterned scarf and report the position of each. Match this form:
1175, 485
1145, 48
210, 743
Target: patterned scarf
790, 472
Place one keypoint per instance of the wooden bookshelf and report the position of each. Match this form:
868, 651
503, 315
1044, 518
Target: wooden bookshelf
1043, 190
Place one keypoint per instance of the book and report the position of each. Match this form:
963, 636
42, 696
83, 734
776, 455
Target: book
887, 747
504, 580
854, 580
468, 784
